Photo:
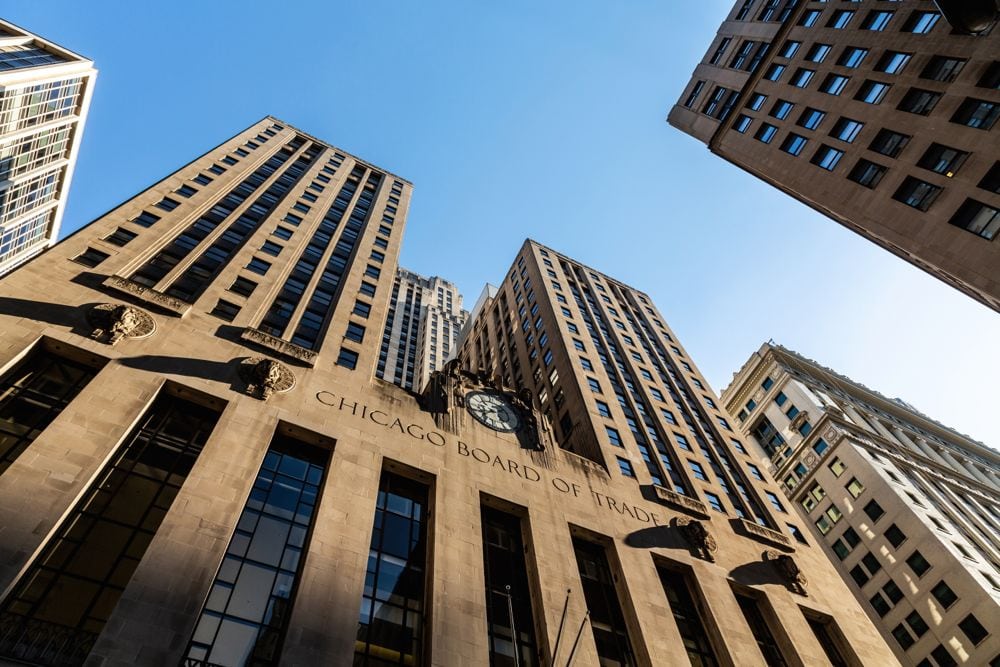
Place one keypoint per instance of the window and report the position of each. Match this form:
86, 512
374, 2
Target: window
258, 266
202, 179
595, 386
720, 50
603, 409
976, 113
761, 631
145, 219
392, 612
699, 472
892, 62
683, 598
774, 72
361, 308
846, 129
991, 77
942, 159
978, 218
827, 158
186, 190
916, 193
973, 629
889, 143
283, 233
837, 467
840, 19
355, 332
90, 558
903, 636
873, 509
780, 398
859, 575
217, 169
789, 48
811, 118
756, 101
796, 533
920, 102
614, 436
793, 144
877, 20
248, 609
625, 467
942, 593
713, 103
91, 257
917, 624
818, 52
167, 204
942, 657
775, 502
852, 56
270, 248
872, 92
742, 123
781, 109
894, 535
508, 592
120, 237
810, 17
607, 620
834, 84
755, 471
225, 310
854, 487
918, 563
243, 286
765, 133
802, 77
715, 502
942, 68
693, 95
921, 22
742, 54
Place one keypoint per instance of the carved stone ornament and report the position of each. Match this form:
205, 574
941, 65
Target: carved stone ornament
789, 570
698, 537
265, 376
114, 321
799, 420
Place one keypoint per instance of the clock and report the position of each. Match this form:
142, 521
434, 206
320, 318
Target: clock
493, 410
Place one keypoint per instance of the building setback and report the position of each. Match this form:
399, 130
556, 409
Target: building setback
44, 97
907, 509
875, 114
421, 329
199, 465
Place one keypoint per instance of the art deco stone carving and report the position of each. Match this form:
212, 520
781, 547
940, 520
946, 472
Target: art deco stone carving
279, 346
698, 537
147, 294
789, 570
265, 376
114, 321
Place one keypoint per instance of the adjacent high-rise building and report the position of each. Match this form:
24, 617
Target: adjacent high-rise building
422, 325
44, 97
907, 509
878, 115
199, 466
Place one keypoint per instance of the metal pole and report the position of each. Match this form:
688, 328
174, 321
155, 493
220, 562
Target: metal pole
513, 630
576, 641
562, 621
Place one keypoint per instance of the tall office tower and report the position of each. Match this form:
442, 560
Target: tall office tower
907, 509
44, 97
625, 406
878, 115
198, 465
421, 329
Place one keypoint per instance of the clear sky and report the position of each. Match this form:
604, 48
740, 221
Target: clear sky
541, 119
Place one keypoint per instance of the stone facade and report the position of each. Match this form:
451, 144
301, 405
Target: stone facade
879, 116
876, 482
220, 344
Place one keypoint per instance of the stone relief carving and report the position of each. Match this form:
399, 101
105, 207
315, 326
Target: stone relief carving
789, 570
698, 537
280, 346
147, 294
114, 321
798, 420
264, 377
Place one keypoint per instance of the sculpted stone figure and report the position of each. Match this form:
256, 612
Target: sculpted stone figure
698, 537
789, 570
114, 322
265, 377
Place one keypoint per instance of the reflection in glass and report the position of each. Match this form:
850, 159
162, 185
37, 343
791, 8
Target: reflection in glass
32, 394
61, 604
390, 628
503, 552
606, 617
250, 601
690, 624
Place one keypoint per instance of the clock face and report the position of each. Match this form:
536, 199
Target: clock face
493, 410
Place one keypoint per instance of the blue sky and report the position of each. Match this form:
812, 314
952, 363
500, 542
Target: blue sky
521, 119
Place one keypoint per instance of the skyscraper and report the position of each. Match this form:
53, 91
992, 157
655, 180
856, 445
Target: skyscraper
44, 97
875, 114
200, 466
907, 509
421, 328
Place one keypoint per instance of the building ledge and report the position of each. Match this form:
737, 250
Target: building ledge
280, 346
764, 534
688, 505
147, 295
